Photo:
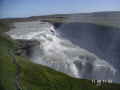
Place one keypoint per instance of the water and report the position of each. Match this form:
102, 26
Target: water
61, 54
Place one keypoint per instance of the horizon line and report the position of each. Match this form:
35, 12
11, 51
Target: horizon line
107, 11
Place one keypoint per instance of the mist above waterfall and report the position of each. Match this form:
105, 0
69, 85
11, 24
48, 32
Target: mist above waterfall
61, 54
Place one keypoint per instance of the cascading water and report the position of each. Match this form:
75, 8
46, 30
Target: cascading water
61, 54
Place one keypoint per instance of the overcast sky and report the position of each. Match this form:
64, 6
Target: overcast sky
25, 8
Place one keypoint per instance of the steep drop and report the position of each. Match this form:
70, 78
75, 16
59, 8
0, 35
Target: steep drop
61, 54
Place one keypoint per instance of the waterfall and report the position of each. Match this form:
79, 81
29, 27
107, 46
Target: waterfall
61, 54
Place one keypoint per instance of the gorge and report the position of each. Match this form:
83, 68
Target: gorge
70, 48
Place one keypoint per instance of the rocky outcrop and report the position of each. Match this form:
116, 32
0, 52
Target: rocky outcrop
25, 46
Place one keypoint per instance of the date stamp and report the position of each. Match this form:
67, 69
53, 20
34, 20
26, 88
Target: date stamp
101, 82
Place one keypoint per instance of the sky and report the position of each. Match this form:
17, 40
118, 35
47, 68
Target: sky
26, 8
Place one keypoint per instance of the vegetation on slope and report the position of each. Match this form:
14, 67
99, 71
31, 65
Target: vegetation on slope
3, 27
18, 73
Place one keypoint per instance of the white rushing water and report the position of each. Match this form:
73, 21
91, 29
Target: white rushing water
61, 54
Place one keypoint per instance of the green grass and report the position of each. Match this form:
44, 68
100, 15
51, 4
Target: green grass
3, 27
7, 73
7, 69
38, 77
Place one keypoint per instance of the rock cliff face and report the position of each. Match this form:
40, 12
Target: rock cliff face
25, 47
104, 41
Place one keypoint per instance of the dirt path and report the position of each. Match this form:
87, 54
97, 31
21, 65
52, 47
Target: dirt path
18, 71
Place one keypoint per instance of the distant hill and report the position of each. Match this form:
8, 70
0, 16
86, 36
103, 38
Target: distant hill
102, 18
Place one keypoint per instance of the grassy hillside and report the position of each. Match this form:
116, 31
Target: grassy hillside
3, 27
18, 73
